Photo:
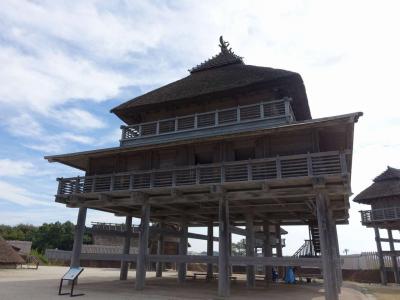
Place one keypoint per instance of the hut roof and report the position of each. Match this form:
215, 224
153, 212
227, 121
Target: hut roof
222, 74
385, 185
8, 255
23, 246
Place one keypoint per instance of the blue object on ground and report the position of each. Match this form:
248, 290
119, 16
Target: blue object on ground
289, 276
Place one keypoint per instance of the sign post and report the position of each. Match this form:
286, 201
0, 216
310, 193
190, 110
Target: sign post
71, 275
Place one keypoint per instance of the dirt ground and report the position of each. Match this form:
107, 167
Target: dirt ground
389, 292
99, 284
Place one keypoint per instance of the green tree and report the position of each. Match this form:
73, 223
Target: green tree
239, 248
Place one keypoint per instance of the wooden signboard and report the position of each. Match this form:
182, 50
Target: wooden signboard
71, 275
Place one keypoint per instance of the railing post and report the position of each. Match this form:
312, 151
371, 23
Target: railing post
140, 130
309, 164
77, 181
176, 125
93, 184
197, 170
59, 185
249, 170
287, 108
343, 163
238, 114
123, 134
173, 178
262, 110
278, 167
130, 182
157, 127
222, 173
195, 121
216, 120
112, 180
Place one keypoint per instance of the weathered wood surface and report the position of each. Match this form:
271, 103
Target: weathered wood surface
278, 109
126, 247
323, 163
183, 246
250, 244
380, 255
210, 248
223, 257
141, 261
78, 237
327, 248
394, 258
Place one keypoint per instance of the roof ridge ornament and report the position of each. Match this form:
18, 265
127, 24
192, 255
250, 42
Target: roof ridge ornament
224, 45
225, 57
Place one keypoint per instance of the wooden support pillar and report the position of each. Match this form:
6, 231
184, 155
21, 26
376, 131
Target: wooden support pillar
223, 257
183, 245
327, 248
160, 251
210, 248
335, 244
78, 237
230, 252
127, 245
250, 243
267, 252
278, 241
380, 256
393, 257
141, 261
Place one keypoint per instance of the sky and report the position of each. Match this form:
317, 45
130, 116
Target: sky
65, 64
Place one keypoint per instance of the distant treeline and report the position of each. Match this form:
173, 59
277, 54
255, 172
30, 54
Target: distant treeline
47, 236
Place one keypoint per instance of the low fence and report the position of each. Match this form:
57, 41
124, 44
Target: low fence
365, 261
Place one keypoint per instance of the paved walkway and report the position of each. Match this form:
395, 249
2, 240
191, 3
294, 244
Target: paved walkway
99, 284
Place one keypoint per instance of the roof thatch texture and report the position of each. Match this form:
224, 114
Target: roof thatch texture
8, 255
385, 185
214, 78
24, 246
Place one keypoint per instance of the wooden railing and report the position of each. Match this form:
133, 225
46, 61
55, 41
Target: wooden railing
311, 164
218, 118
380, 214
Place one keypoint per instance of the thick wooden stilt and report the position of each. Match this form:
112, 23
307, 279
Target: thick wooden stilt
393, 257
250, 244
183, 245
141, 260
267, 251
278, 240
327, 249
223, 257
380, 256
127, 245
210, 248
160, 251
78, 237
335, 247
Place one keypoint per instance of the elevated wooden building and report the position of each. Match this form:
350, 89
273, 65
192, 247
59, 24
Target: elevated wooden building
384, 197
229, 145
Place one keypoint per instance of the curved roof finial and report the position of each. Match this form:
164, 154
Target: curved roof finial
224, 45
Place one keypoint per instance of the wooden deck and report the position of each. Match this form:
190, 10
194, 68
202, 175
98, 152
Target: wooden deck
380, 215
209, 123
282, 187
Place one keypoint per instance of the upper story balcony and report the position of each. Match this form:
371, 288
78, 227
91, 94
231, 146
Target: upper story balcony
231, 120
380, 215
252, 170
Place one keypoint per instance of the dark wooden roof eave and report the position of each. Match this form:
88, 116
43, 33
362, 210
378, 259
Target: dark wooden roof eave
72, 159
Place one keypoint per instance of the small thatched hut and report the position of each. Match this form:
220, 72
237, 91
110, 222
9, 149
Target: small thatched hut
9, 258
384, 197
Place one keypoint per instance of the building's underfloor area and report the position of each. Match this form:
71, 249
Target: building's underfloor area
100, 284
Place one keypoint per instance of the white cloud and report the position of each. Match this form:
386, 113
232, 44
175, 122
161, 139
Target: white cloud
18, 195
12, 168
78, 119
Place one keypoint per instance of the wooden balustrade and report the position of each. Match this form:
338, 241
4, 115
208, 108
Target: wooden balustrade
310, 164
240, 114
380, 214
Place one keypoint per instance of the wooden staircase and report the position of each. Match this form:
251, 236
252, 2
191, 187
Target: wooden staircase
311, 247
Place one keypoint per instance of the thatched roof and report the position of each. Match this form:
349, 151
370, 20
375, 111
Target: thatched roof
8, 255
222, 75
385, 185
23, 246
